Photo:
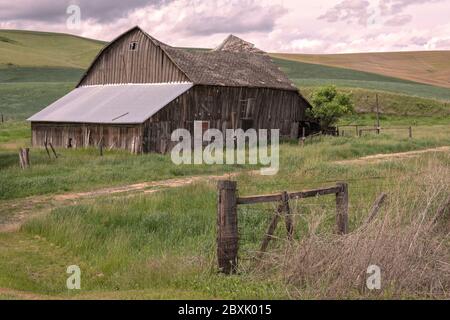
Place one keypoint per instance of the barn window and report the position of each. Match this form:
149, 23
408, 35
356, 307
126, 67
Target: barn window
247, 106
133, 46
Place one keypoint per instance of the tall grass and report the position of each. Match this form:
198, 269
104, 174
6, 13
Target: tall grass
408, 241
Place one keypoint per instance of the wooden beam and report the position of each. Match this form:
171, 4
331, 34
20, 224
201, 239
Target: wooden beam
342, 209
259, 199
269, 234
314, 192
287, 216
293, 195
227, 227
376, 207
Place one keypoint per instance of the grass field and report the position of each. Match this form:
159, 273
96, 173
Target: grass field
159, 243
162, 245
429, 67
44, 49
313, 75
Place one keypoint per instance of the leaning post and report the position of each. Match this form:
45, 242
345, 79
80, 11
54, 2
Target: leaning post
227, 227
342, 208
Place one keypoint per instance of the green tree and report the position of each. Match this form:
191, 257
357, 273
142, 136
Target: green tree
328, 105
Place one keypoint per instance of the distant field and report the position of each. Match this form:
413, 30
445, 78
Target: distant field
39, 74
21, 100
430, 67
44, 49
37, 68
313, 75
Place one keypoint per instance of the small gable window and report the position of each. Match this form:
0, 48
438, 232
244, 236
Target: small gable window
133, 46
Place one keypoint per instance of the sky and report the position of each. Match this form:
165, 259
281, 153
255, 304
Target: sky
314, 26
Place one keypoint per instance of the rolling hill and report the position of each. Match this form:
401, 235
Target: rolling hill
45, 49
36, 68
430, 67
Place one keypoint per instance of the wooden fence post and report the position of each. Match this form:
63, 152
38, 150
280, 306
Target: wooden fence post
46, 149
269, 234
376, 207
342, 208
227, 225
24, 157
53, 150
287, 215
410, 132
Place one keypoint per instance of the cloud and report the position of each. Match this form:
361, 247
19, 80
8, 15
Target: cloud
230, 17
398, 20
391, 7
350, 11
273, 25
364, 11
55, 11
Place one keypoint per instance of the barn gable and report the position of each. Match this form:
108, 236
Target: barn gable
133, 57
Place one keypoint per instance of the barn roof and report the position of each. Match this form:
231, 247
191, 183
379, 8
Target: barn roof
234, 62
225, 68
121, 104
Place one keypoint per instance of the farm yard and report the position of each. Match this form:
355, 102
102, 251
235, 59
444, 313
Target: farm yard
141, 227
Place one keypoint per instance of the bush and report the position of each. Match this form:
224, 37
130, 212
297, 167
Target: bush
328, 105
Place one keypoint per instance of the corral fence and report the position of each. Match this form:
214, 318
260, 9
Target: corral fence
360, 129
228, 235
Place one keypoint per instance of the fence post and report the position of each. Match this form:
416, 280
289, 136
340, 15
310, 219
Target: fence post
53, 150
342, 208
410, 132
24, 157
288, 218
227, 227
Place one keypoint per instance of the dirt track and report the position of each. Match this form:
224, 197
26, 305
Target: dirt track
392, 156
27, 208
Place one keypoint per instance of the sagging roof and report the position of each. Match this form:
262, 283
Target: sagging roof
224, 68
234, 62
112, 104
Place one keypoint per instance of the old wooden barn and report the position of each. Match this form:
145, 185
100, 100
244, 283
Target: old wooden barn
138, 90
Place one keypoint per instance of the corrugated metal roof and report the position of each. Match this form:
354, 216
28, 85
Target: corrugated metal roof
121, 104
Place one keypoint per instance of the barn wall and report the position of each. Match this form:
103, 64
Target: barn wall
225, 108
118, 64
127, 137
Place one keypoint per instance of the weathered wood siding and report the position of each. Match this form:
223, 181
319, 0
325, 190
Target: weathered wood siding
224, 108
127, 137
118, 64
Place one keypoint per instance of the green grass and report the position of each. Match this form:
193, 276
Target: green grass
46, 49
162, 245
21, 100
393, 104
80, 169
39, 74
165, 242
313, 75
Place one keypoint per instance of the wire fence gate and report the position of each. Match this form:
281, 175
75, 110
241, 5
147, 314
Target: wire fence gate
228, 233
